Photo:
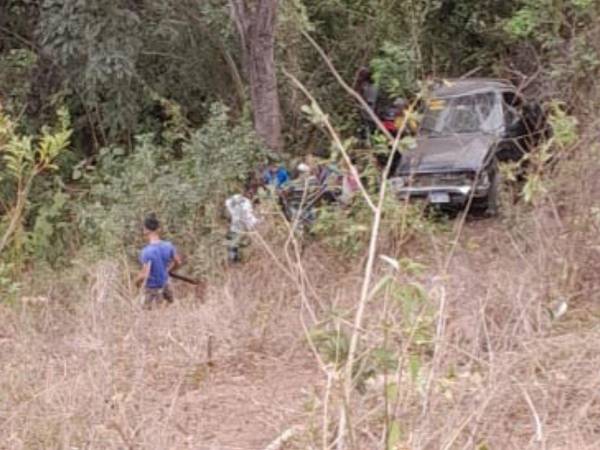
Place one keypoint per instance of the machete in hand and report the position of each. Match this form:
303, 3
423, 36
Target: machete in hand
176, 276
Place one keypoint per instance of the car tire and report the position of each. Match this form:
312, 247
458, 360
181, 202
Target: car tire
489, 205
492, 200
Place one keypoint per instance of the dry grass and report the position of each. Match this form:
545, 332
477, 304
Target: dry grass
508, 376
500, 371
90, 369
82, 366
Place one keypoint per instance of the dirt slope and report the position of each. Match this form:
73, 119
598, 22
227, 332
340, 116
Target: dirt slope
96, 372
103, 374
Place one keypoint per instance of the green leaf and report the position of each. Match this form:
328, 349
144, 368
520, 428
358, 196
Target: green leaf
408, 142
533, 188
523, 23
564, 126
314, 112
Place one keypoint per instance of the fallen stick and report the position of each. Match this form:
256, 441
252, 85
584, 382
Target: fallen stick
283, 438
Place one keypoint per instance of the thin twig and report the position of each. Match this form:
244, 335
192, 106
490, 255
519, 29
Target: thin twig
347, 88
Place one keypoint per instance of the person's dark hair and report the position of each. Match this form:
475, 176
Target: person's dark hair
364, 75
151, 222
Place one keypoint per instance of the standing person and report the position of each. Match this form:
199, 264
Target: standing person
241, 214
365, 86
158, 258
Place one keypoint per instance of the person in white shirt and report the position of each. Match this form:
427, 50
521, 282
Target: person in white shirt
242, 220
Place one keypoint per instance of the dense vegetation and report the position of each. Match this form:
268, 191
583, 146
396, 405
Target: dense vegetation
135, 75
110, 109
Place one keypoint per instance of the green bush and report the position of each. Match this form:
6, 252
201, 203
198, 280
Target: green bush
395, 69
15, 72
25, 161
348, 229
52, 232
187, 192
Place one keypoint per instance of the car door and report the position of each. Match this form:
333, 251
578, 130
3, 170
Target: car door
514, 144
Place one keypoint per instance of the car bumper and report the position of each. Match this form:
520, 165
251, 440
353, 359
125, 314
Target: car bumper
453, 195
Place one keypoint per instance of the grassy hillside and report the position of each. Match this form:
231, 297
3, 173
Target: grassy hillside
468, 345
385, 327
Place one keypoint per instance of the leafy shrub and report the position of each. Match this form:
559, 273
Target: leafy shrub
345, 230
564, 36
523, 23
187, 193
348, 229
52, 232
395, 69
96, 44
407, 329
546, 17
564, 126
24, 160
565, 135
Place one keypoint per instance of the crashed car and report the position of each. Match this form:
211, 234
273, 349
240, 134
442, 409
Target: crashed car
300, 198
468, 126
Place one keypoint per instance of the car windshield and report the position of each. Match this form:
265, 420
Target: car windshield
463, 114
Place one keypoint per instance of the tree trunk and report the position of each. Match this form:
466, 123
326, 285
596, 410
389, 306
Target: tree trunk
255, 22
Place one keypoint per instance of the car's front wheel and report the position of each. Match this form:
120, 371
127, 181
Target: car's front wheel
489, 205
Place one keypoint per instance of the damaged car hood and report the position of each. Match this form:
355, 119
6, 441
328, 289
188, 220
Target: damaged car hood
443, 154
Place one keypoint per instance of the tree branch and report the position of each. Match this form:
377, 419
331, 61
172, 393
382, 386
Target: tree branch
347, 88
336, 139
239, 15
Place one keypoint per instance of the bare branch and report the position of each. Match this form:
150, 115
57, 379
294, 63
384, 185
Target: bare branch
347, 88
239, 15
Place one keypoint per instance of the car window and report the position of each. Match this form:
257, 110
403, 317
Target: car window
462, 114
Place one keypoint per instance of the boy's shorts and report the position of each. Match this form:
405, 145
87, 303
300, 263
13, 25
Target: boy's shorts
155, 296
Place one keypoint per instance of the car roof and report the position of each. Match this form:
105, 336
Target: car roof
450, 88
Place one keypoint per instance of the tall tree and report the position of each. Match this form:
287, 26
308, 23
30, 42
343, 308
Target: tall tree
255, 21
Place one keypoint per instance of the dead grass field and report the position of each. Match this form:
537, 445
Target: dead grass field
83, 367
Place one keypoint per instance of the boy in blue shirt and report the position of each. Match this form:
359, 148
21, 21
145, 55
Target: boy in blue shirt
158, 258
